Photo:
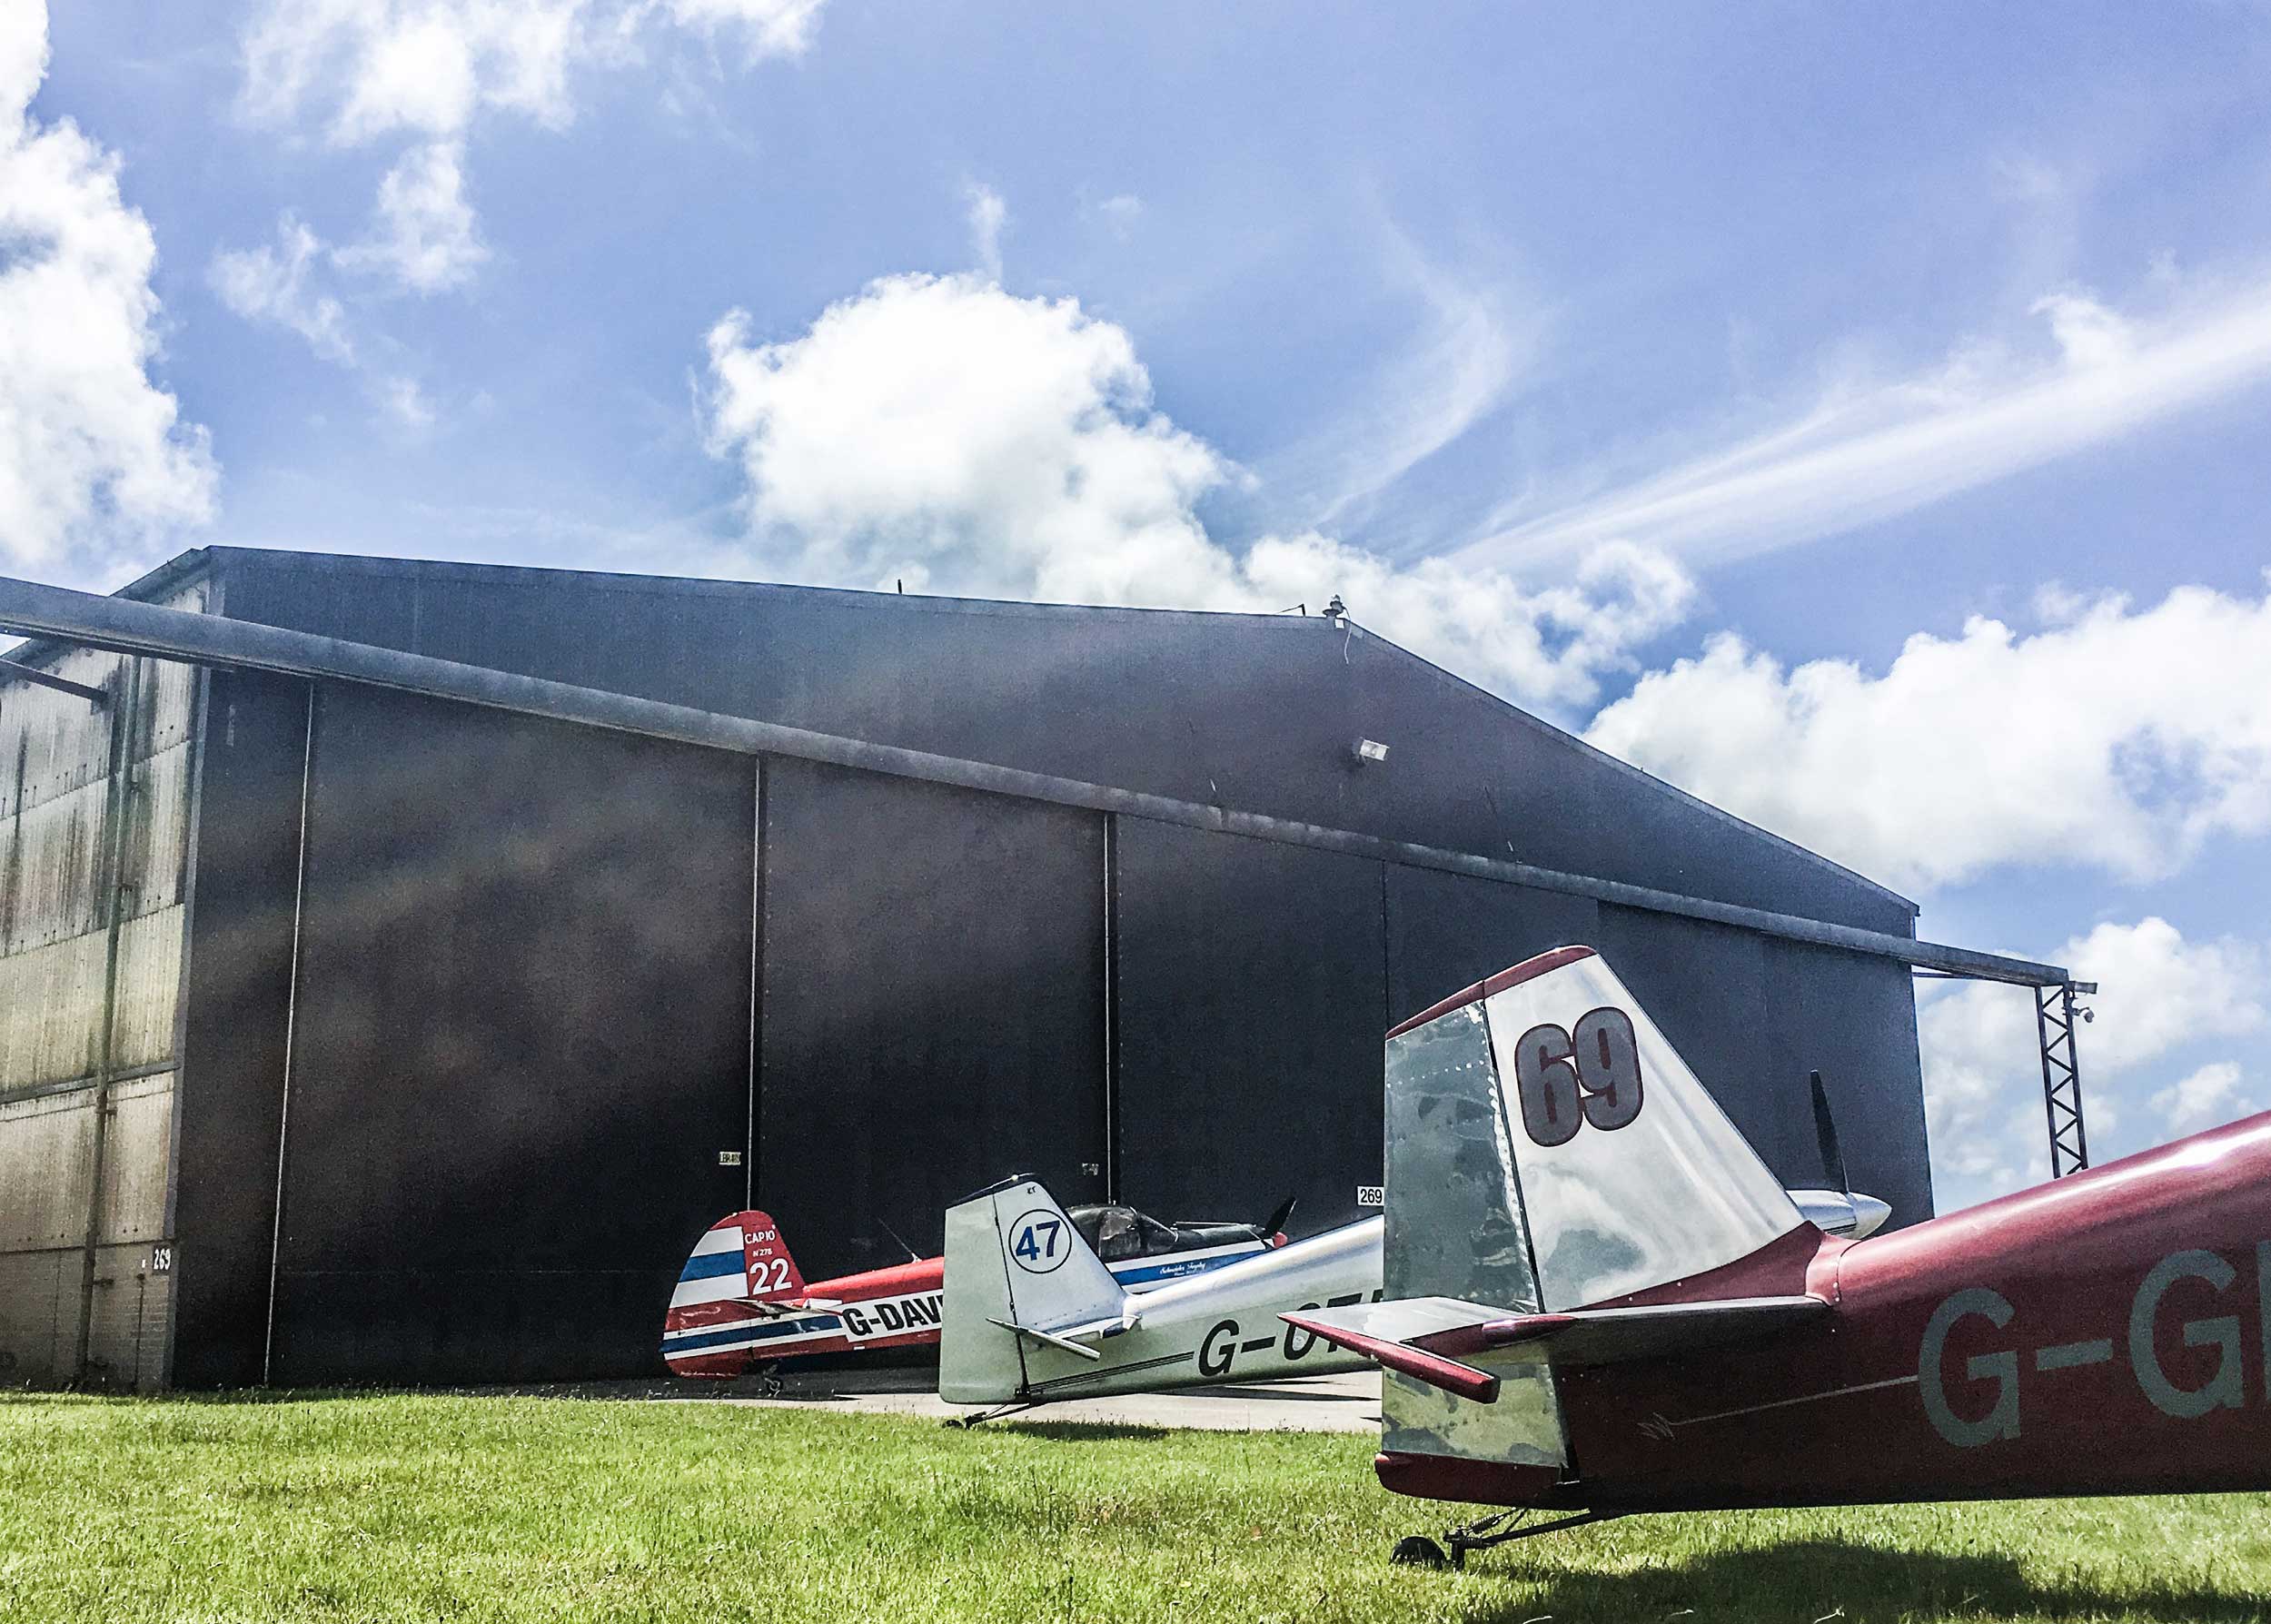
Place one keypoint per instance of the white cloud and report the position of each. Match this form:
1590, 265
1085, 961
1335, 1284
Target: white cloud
2116, 737
940, 432
281, 284
425, 67
1121, 212
768, 27
2159, 996
1874, 449
1463, 354
988, 214
2211, 1094
276, 282
94, 461
405, 402
426, 70
424, 235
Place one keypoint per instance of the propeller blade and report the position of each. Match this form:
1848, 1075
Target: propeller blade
1825, 1129
1276, 1225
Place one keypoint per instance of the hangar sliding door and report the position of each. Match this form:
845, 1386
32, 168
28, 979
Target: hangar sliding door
519, 1042
933, 1007
1250, 1004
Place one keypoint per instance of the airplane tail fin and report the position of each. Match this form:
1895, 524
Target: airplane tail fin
732, 1285
1606, 1167
1549, 1152
1021, 1283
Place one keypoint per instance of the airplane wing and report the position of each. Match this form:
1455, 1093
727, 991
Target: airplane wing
1426, 1337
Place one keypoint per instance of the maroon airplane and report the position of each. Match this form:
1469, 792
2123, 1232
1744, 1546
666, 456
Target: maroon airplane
1599, 1301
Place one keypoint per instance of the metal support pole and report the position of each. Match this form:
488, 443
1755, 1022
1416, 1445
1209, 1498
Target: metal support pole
292, 1019
2061, 1076
1111, 1034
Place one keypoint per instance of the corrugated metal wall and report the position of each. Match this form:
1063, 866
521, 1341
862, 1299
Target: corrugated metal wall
527, 980
94, 894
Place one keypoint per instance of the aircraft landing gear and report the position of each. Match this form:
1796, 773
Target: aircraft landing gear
1417, 1550
966, 1422
768, 1382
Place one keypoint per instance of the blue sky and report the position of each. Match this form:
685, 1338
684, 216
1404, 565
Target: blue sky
1667, 370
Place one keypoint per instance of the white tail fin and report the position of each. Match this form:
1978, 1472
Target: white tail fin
1611, 1160
1017, 1271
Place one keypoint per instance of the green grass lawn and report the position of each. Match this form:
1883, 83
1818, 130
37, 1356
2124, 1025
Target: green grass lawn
420, 1507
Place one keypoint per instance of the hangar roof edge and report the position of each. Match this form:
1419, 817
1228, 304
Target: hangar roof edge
184, 565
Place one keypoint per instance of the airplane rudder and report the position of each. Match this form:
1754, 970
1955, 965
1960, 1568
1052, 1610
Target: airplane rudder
770, 1267
1054, 1276
707, 1328
978, 1360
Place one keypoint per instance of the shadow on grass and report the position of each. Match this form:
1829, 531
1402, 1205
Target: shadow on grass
1812, 1579
1078, 1432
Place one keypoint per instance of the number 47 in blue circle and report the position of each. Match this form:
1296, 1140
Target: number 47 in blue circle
1029, 1246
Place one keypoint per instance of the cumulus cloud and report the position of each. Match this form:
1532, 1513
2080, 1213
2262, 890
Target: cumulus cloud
2211, 1094
375, 68
2116, 736
95, 463
1872, 449
423, 72
277, 283
424, 235
2161, 997
941, 432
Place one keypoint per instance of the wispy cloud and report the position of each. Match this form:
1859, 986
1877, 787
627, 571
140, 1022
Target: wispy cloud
283, 284
1874, 452
986, 215
1470, 344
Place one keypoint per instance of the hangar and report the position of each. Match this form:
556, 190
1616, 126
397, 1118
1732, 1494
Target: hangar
401, 963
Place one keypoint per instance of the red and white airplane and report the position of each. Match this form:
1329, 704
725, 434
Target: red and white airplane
742, 1303
1598, 1300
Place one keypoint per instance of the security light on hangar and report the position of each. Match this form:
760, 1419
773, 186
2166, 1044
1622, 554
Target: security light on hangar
374, 1019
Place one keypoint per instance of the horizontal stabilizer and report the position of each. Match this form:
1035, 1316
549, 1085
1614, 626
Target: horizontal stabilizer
1449, 1329
1460, 1381
1067, 1339
1589, 1336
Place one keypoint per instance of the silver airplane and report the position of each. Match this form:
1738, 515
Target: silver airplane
1031, 1316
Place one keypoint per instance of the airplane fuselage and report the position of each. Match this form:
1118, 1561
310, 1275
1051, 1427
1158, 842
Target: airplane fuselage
1222, 1326
2108, 1333
716, 1332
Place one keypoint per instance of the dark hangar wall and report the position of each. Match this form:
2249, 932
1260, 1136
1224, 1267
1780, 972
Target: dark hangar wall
545, 974
1252, 711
